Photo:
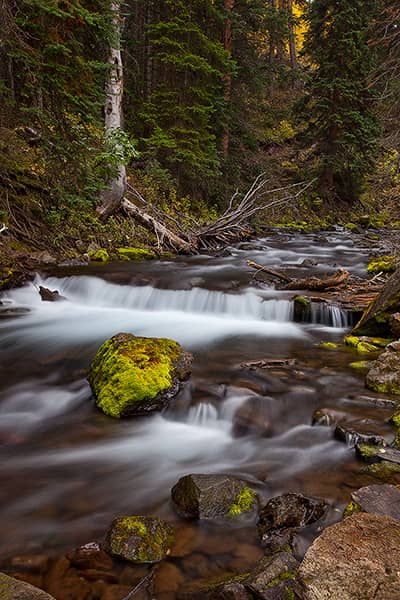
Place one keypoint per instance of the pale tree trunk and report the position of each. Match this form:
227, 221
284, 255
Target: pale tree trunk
112, 196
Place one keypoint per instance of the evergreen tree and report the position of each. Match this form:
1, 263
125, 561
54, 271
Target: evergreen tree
342, 111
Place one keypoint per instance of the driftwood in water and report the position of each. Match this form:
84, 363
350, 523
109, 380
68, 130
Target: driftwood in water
308, 283
315, 283
232, 226
269, 363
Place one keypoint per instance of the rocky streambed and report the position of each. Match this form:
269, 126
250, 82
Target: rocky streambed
272, 413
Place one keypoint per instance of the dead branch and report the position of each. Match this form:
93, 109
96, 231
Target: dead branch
230, 227
264, 269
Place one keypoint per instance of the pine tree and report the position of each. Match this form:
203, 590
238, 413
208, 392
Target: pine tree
342, 111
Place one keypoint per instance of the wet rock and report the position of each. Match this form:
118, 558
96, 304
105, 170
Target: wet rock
133, 375
185, 541
30, 563
372, 454
213, 497
376, 319
255, 416
226, 587
139, 539
378, 499
65, 583
43, 257
168, 579
358, 432
13, 589
91, 557
356, 559
374, 401
274, 577
282, 515
384, 374
49, 295
328, 416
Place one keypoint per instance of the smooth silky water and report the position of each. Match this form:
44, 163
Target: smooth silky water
67, 470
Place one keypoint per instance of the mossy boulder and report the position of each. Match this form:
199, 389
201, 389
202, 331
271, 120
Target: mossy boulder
384, 374
100, 255
382, 264
376, 318
274, 577
132, 375
14, 589
366, 344
213, 497
135, 253
139, 539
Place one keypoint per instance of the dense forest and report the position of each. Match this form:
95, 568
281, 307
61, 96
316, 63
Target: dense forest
209, 94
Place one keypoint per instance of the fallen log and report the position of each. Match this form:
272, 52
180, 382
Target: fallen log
317, 284
162, 232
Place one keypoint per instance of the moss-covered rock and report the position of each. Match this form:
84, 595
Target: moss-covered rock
213, 497
360, 364
100, 255
351, 508
375, 320
135, 253
139, 539
328, 346
133, 375
365, 344
384, 374
384, 264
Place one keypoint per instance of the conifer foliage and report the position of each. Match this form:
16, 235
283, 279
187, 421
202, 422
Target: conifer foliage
342, 113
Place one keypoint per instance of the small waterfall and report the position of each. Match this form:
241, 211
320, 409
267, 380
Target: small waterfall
202, 414
330, 315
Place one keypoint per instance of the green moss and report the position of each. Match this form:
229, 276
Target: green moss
302, 300
360, 364
391, 387
366, 347
135, 253
352, 340
100, 255
351, 226
351, 508
329, 345
129, 369
385, 264
244, 502
6, 275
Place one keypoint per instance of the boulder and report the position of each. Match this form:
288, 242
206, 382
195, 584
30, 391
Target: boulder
376, 318
139, 539
133, 375
274, 577
13, 589
394, 324
378, 499
356, 559
213, 497
255, 416
282, 515
384, 374
363, 431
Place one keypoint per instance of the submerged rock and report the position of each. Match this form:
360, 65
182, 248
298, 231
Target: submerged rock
14, 589
255, 416
274, 577
363, 431
133, 375
213, 497
282, 515
139, 539
356, 559
50, 295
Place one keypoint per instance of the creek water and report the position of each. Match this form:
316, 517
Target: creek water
67, 470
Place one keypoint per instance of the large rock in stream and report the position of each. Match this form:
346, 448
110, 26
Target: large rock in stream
384, 374
356, 559
132, 375
13, 589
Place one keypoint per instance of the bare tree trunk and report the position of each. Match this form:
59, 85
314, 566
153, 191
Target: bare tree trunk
112, 196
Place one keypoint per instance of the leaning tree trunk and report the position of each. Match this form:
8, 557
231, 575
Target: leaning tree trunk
112, 196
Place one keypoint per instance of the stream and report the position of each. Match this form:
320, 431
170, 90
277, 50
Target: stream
67, 470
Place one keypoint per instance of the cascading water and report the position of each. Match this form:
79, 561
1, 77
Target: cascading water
73, 469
